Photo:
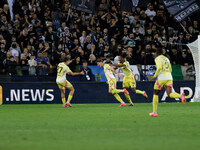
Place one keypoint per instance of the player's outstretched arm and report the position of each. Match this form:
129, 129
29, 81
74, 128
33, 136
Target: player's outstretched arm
118, 65
76, 73
170, 67
116, 72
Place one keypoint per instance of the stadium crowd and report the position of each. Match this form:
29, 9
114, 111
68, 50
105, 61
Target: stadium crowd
43, 32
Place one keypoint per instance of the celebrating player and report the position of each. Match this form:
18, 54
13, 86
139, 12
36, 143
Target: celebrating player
164, 78
129, 78
112, 81
63, 84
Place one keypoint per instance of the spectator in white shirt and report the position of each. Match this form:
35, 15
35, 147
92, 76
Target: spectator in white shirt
32, 64
150, 12
14, 52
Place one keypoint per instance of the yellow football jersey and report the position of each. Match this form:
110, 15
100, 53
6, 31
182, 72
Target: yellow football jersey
126, 69
62, 69
109, 74
164, 69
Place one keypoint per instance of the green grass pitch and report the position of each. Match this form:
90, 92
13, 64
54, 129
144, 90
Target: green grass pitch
100, 127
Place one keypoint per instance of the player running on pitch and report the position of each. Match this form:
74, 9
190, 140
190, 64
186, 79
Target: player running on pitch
129, 78
63, 84
112, 81
164, 78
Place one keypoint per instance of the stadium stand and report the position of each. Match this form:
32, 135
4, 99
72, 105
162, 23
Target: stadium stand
43, 32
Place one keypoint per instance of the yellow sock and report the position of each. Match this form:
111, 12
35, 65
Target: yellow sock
139, 92
118, 98
116, 91
63, 100
174, 95
155, 103
69, 98
128, 98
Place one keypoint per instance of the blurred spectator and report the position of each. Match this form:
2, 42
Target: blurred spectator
130, 57
150, 12
56, 30
113, 46
14, 52
11, 66
88, 76
190, 58
2, 57
183, 59
26, 54
92, 59
105, 52
108, 60
174, 57
46, 60
32, 66
130, 42
41, 64
24, 65
165, 53
75, 64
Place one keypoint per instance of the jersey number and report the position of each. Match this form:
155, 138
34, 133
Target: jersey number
166, 64
60, 69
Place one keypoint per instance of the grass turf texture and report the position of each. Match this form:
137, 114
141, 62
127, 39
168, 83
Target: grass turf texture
100, 127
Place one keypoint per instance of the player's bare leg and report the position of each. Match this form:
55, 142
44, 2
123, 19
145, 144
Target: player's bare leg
71, 93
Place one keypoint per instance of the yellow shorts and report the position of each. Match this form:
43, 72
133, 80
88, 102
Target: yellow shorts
160, 83
112, 84
129, 82
64, 85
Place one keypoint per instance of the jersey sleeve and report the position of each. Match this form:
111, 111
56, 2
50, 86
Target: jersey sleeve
106, 66
68, 69
170, 67
126, 63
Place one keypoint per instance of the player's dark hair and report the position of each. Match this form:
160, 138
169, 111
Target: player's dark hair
66, 59
84, 61
123, 55
159, 51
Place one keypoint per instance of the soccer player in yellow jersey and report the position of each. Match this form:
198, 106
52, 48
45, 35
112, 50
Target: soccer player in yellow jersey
129, 78
112, 81
62, 70
164, 78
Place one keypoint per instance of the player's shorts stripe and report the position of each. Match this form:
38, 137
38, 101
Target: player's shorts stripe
112, 81
133, 78
65, 83
159, 87
170, 85
1, 95
114, 84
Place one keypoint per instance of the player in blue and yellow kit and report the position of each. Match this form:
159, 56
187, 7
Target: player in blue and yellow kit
112, 81
164, 78
129, 78
62, 70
